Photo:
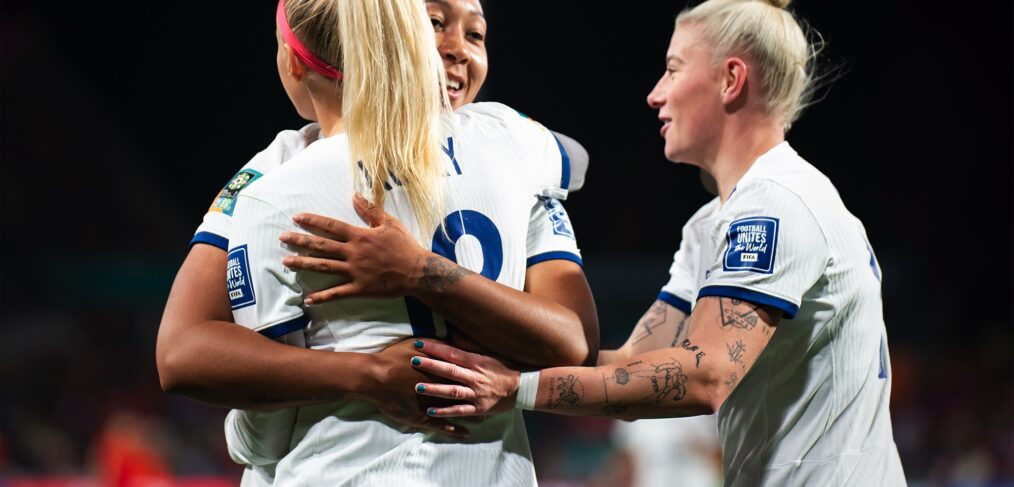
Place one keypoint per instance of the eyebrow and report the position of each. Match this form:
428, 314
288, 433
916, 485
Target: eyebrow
445, 3
673, 57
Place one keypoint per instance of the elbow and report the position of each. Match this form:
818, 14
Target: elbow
170, 366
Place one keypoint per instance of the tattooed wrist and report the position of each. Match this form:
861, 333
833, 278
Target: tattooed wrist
439, 273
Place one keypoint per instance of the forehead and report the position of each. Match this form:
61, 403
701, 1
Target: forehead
471, 7
685, 42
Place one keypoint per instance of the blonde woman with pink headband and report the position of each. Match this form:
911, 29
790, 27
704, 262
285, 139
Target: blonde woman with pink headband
203, 355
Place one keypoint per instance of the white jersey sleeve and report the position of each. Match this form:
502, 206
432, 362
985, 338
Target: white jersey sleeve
538, 153
774, 250
264, 294
679, 291
550, 234
215, 228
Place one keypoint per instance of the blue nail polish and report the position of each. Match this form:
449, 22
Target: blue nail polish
416, 361
418, 344
420, 388
431, 411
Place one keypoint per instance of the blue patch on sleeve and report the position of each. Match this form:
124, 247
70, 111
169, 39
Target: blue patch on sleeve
558, 217
238, 278
751, 244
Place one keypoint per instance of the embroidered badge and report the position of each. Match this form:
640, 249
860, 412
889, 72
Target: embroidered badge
226, 200
751, 245
558, 217
238, 282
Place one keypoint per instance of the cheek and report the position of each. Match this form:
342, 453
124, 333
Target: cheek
477, 69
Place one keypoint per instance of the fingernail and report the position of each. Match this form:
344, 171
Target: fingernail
416, 361
297, 218
420, 388
418, 344
285, 236
431, 411
308, 301
288, 260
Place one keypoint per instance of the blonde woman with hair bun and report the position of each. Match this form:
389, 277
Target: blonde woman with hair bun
773, 306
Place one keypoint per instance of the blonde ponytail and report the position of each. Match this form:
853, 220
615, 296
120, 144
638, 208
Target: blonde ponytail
391, 101
392, 92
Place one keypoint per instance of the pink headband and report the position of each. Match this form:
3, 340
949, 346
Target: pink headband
304, 54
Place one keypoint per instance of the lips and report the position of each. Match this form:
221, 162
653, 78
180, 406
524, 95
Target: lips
455, 85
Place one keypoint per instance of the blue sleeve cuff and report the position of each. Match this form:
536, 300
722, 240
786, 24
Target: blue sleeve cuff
754, 297
565, 160
674, 301
210, 239
286, 327
555, 255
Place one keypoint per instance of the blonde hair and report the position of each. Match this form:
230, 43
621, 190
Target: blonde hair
770, 37
392, 93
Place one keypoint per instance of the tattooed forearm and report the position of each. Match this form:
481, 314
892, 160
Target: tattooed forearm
568, 391
622, 376
733, 380
439, 273
669, 379
736, 351
614, 409
734, 314
693, 348
681, 330
654, 318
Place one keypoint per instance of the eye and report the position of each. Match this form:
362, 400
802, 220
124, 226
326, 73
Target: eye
438, 24
479, 36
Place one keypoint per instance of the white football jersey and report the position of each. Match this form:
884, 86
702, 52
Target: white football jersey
500, 168
813, 410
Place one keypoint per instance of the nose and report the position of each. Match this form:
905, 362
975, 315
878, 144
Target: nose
656, 98
452, 46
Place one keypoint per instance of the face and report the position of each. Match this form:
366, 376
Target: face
688, 98
288, 66
460, 28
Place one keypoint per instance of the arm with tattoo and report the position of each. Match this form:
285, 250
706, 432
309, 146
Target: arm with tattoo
662, 326
694, 377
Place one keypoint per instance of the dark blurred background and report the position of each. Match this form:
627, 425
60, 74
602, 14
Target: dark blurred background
120, 121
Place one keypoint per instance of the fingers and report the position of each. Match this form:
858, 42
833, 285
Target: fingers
316, 264
447, 353
314, 245
443, 369
335, 229
374, 216
337, 292
454, 411
445, 391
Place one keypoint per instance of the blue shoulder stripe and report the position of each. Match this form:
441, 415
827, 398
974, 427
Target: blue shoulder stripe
754, 297
555, 255
674, 301
286, 327
210, 239
565, 160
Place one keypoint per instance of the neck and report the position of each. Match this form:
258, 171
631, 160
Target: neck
328, 108
739, 145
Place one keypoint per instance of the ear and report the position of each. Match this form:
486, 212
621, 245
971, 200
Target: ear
293, 65
734, 72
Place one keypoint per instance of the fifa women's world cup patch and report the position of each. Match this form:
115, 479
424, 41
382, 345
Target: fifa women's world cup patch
751, 244
226, 200
238, 283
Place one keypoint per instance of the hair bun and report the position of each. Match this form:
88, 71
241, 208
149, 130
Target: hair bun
779, 3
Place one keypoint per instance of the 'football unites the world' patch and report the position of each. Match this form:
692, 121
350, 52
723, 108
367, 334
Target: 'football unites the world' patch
225, 202
751, 245
239, 285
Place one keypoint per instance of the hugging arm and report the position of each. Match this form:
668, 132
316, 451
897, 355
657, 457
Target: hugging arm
554, 323
726, 337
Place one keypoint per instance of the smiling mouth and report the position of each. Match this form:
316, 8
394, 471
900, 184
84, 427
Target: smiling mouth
454, 88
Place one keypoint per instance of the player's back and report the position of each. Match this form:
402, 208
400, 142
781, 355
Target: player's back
497, 164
